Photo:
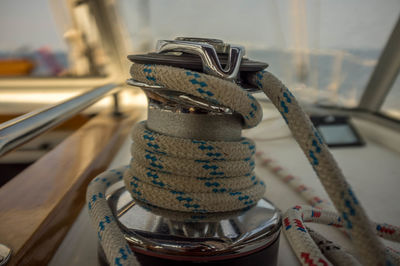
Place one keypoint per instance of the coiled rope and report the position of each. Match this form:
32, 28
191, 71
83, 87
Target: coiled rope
192, 175
160, 164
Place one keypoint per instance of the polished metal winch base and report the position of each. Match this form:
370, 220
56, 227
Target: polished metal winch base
162, 236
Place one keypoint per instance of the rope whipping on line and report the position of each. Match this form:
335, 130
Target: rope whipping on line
205, 176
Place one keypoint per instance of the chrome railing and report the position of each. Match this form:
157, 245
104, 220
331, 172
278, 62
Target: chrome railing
20, 130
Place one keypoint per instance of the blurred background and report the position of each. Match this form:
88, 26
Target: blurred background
324, 50
51, 50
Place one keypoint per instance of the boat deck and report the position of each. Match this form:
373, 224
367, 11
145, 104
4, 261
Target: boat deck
372, 170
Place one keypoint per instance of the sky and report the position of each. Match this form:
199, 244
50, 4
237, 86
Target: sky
328, 24
342, 24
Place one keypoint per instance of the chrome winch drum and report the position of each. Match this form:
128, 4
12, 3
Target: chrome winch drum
246, 237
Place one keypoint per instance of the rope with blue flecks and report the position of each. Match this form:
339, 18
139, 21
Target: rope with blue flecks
110, 236
192, 175
228, 94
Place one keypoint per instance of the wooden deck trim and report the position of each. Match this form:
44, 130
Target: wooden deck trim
38, 206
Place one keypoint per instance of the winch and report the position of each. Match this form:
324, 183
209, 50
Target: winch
248, 235
190, 194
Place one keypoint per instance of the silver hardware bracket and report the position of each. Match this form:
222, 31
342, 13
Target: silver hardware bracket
182, 99
219, 45
207, 50
209, 56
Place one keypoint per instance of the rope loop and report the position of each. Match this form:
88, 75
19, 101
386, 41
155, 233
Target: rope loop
204, 176
209, 88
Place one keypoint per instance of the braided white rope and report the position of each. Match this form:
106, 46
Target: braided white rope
226, 93
334, 253
110, 236
385, 231
218, 178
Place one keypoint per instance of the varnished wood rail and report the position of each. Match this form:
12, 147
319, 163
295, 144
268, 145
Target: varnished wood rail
38, 206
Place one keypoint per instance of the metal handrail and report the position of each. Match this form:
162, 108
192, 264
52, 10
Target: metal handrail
20, 130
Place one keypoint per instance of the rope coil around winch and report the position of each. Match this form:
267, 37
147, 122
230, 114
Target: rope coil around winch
192, 175
228, 94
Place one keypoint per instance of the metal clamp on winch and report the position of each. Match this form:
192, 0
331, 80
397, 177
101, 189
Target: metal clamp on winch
210, 56
165, 237
207, 50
